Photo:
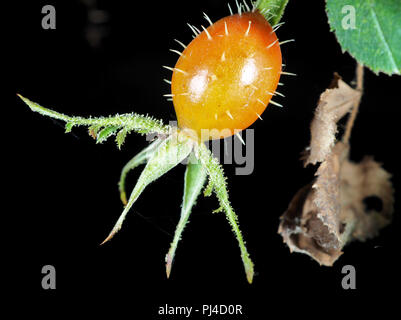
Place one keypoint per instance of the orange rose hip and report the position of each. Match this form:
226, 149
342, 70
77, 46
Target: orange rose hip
226, 76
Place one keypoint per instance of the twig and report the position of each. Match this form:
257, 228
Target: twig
352, 117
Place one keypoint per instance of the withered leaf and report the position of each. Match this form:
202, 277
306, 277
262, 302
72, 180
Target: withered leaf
325, 215
359, 182
333, 104
330, 212
312, 223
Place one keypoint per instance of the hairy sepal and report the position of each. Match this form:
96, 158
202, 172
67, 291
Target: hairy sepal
218, 181
167, 155
195, 177
102, 128
141, 158
273, 10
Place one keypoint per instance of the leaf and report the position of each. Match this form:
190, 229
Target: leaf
273, 10
195, 176
311, 223
327, 214
333, 104
330, 212
360, 182
168, 154
374, 40
218, 180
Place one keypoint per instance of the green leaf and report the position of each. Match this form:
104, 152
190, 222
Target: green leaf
216, 175
373, 38
273, 10
195, 176
168, 154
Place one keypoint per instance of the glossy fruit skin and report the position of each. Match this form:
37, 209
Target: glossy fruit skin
225, 79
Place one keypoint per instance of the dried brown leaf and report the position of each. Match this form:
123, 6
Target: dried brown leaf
330, 212
359, 182
327, 214
333, 104
313, 225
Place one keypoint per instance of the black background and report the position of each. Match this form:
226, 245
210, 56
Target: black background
64, 187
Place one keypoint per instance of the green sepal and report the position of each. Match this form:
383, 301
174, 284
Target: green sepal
168, 154
216, 174
131, 121
272, 10
140, 158
195, 177
208, 189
